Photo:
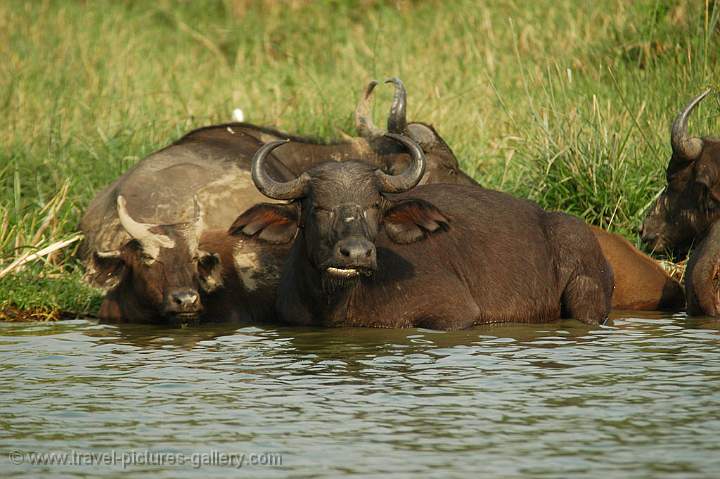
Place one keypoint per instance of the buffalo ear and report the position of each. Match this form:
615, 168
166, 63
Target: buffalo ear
272, 223
707, 180
412, 220
712, 187
105, 269
424, 135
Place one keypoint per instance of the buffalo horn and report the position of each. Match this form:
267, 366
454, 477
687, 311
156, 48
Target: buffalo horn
141, 231
271, 188
684, 146
411, 176
397, 120
363, 122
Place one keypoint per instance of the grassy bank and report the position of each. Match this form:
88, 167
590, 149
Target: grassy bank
566, 102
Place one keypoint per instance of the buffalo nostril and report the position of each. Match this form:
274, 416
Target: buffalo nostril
184, 299
355, 251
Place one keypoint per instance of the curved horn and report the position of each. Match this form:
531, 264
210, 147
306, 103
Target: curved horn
363, 122
683, 145
397, 120
139, 231
277, 190
411, 176
150, 241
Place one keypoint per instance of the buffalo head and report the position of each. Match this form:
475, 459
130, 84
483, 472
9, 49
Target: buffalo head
159, 271
441, 165
690, 202
340, 207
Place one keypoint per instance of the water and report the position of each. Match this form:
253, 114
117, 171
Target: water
640, 398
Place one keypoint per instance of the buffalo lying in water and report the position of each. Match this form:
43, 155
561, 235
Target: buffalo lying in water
142, 231
690, 203
640, 283
212, 165
364, 253
702, 276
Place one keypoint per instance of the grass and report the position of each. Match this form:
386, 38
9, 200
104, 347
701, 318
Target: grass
566, 102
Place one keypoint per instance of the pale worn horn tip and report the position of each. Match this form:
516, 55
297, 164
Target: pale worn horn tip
369, 88
682, 144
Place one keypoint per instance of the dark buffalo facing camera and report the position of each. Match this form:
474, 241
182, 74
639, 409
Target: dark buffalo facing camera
691, 201
371, 249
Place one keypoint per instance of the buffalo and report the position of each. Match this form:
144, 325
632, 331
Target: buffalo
142, 231
159, 272
371, 249
702, 276
640, 283
211, 167
690, 203
249, 275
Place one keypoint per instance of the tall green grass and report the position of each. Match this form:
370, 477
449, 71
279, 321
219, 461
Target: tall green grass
566, 102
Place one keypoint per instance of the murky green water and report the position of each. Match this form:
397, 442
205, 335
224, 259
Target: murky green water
640, 398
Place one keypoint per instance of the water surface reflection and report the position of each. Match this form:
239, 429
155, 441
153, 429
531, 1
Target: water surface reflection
639, 397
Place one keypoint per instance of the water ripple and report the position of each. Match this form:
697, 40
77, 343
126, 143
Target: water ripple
638, 398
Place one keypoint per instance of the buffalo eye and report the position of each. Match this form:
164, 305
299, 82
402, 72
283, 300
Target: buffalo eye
208, 260
135, 248
704, 180
209, 272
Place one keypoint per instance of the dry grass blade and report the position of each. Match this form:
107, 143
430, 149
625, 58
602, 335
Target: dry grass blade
29, 257
676, 270
52, 207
